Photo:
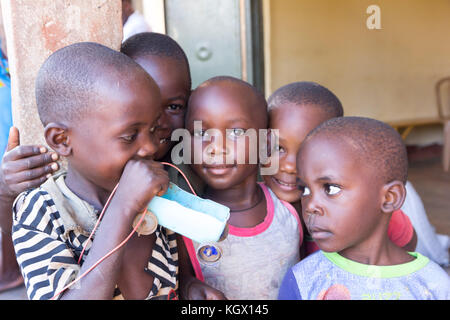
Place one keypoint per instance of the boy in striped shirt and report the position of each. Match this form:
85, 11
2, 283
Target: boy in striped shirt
100, 110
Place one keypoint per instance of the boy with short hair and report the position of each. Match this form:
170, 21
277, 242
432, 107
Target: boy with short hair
100, 110
264, 236
167, 63
296, 109
347, 205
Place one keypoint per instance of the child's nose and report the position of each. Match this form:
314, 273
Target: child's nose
288, 164
163, 121
217, 146
311, 206
148, 147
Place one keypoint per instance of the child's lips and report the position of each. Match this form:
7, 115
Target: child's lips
219, 169
318, 233
288, 186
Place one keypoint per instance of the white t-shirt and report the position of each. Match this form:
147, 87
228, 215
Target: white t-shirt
135, 24
251, 262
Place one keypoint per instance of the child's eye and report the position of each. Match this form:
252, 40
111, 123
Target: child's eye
279, 148
305, 190
129, 138
174, 107
200, 133
236, 133
332, 189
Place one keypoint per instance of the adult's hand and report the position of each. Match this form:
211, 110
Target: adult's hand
24, 167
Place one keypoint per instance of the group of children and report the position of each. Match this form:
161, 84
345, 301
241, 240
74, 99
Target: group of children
327, 225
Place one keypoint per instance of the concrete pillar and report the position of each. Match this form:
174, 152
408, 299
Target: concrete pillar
35, 29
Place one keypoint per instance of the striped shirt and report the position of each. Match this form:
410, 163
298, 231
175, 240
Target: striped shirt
50, 228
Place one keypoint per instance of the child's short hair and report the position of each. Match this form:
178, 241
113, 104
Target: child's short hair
377, 143
69, 82
154, 44
305, 92
260, 100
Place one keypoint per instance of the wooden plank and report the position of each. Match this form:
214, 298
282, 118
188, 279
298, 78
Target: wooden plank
34, 30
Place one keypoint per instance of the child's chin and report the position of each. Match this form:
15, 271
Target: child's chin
221, 184
288, 196
285, 195
327, 248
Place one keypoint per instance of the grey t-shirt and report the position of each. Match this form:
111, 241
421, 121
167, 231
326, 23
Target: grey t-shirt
330, 276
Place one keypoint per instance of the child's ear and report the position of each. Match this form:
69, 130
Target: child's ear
394, 194
57, 138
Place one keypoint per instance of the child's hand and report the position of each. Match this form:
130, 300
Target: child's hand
24, 167
201, 291
141, 180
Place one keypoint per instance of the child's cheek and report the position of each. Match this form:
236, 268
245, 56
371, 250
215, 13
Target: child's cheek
245, 150
176, 121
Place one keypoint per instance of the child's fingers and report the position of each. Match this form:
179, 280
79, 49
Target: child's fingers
161, 177
33, 161
32, 174
29, 184
163, 180
160, 182
21, 152
13, 139
164, 187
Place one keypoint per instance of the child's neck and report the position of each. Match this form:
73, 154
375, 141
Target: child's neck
85, 190
246, 202
377, 250
297, 206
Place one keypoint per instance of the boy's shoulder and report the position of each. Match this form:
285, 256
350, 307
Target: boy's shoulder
322, 273
311, 265
436, 275
49, 207
31, 202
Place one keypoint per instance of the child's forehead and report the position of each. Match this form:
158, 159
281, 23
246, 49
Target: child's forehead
169, 73
296, 120
331, 147
225, 101
134, 87
336, 157
292, 110
161, 62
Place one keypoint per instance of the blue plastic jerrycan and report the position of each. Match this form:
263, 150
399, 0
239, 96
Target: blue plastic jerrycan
201, 220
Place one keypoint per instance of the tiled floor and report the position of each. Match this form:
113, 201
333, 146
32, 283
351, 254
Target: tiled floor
430, 182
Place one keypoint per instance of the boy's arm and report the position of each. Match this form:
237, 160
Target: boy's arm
139, 183
185, 270
48, 264
192, 288
101, 281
